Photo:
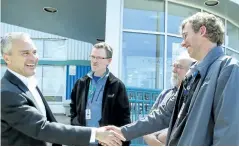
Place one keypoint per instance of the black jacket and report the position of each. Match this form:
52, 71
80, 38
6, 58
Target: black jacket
115, 109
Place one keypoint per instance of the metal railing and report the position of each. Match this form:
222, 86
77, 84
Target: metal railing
141, 101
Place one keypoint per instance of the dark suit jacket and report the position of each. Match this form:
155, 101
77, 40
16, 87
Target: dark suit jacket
115, 104
23, 124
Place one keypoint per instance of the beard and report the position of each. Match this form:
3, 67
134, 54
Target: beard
175, 80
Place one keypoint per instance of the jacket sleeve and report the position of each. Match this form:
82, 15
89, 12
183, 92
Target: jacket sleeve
156, 103
20, 115
155, 121
73, 105
124, 109
226, 108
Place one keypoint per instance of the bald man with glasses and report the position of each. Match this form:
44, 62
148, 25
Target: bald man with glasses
179, 69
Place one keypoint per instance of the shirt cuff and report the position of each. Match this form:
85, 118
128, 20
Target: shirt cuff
93, 134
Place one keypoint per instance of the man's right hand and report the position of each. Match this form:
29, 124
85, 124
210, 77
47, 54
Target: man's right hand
109, 136
115, 129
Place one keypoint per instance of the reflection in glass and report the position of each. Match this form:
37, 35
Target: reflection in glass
144, 15
142, 60
176, 14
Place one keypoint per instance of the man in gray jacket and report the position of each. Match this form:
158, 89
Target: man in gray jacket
26, 118
207, 105
179, 69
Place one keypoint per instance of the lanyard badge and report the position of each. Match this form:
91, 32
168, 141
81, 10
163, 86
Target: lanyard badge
87, 114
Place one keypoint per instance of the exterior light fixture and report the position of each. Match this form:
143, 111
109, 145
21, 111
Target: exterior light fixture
50, 9
100, 39
211, 2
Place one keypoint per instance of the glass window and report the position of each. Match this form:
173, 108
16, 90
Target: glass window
144, 15
142, 60
232, 37
39, 46
55, 49
176, 14
53, 85
174, 49
233, 54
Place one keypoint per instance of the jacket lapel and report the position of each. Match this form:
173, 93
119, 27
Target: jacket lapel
16, 81
49, 114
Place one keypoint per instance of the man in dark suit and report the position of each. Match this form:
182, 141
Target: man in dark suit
26, 118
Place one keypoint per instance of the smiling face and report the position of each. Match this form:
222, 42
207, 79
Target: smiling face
180, 68
191, 41
22, 57
201, 32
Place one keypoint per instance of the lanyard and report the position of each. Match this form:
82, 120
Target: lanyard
92, 91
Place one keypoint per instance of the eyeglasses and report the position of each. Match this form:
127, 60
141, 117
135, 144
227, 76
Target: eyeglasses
175, 65
98, 58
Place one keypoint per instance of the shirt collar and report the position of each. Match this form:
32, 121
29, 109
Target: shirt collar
212, 55
106, 74
29, 82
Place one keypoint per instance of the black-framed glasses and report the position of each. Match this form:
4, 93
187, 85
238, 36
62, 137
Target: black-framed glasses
98, 57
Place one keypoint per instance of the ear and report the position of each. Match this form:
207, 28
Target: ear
203, 30
7, 58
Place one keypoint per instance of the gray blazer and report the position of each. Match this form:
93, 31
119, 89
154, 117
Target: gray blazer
22, 123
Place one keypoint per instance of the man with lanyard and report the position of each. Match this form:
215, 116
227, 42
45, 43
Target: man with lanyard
99, 98
180, 68
207, 105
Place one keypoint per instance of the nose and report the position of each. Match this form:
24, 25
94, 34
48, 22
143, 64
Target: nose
174, 69
33, 56
94, 60
183, 43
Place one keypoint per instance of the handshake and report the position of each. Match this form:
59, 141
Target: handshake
109, 136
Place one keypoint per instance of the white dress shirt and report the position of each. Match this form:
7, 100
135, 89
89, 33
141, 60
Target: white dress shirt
31, 84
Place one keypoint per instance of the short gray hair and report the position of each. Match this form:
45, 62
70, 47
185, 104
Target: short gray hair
7, 39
